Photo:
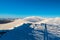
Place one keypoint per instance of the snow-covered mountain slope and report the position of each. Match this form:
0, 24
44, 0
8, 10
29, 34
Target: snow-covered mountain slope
39, 20
54, 29
11, 25
53, 24
25, 32
53, 21
35, 30
34, 19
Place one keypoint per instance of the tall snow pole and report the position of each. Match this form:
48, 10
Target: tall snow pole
45, 32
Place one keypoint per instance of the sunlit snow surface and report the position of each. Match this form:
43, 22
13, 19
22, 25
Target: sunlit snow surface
25, 32
33, 30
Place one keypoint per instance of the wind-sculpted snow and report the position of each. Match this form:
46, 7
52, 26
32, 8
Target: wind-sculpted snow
54, 29
32, 28
25, 32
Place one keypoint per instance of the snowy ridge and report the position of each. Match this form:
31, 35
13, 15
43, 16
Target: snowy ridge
31, 19
32, 28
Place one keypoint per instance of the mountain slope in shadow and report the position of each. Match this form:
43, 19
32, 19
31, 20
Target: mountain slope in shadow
19, 33
25, 32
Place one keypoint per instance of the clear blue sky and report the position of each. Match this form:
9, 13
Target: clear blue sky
23, 8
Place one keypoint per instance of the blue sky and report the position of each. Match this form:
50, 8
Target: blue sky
23, 8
